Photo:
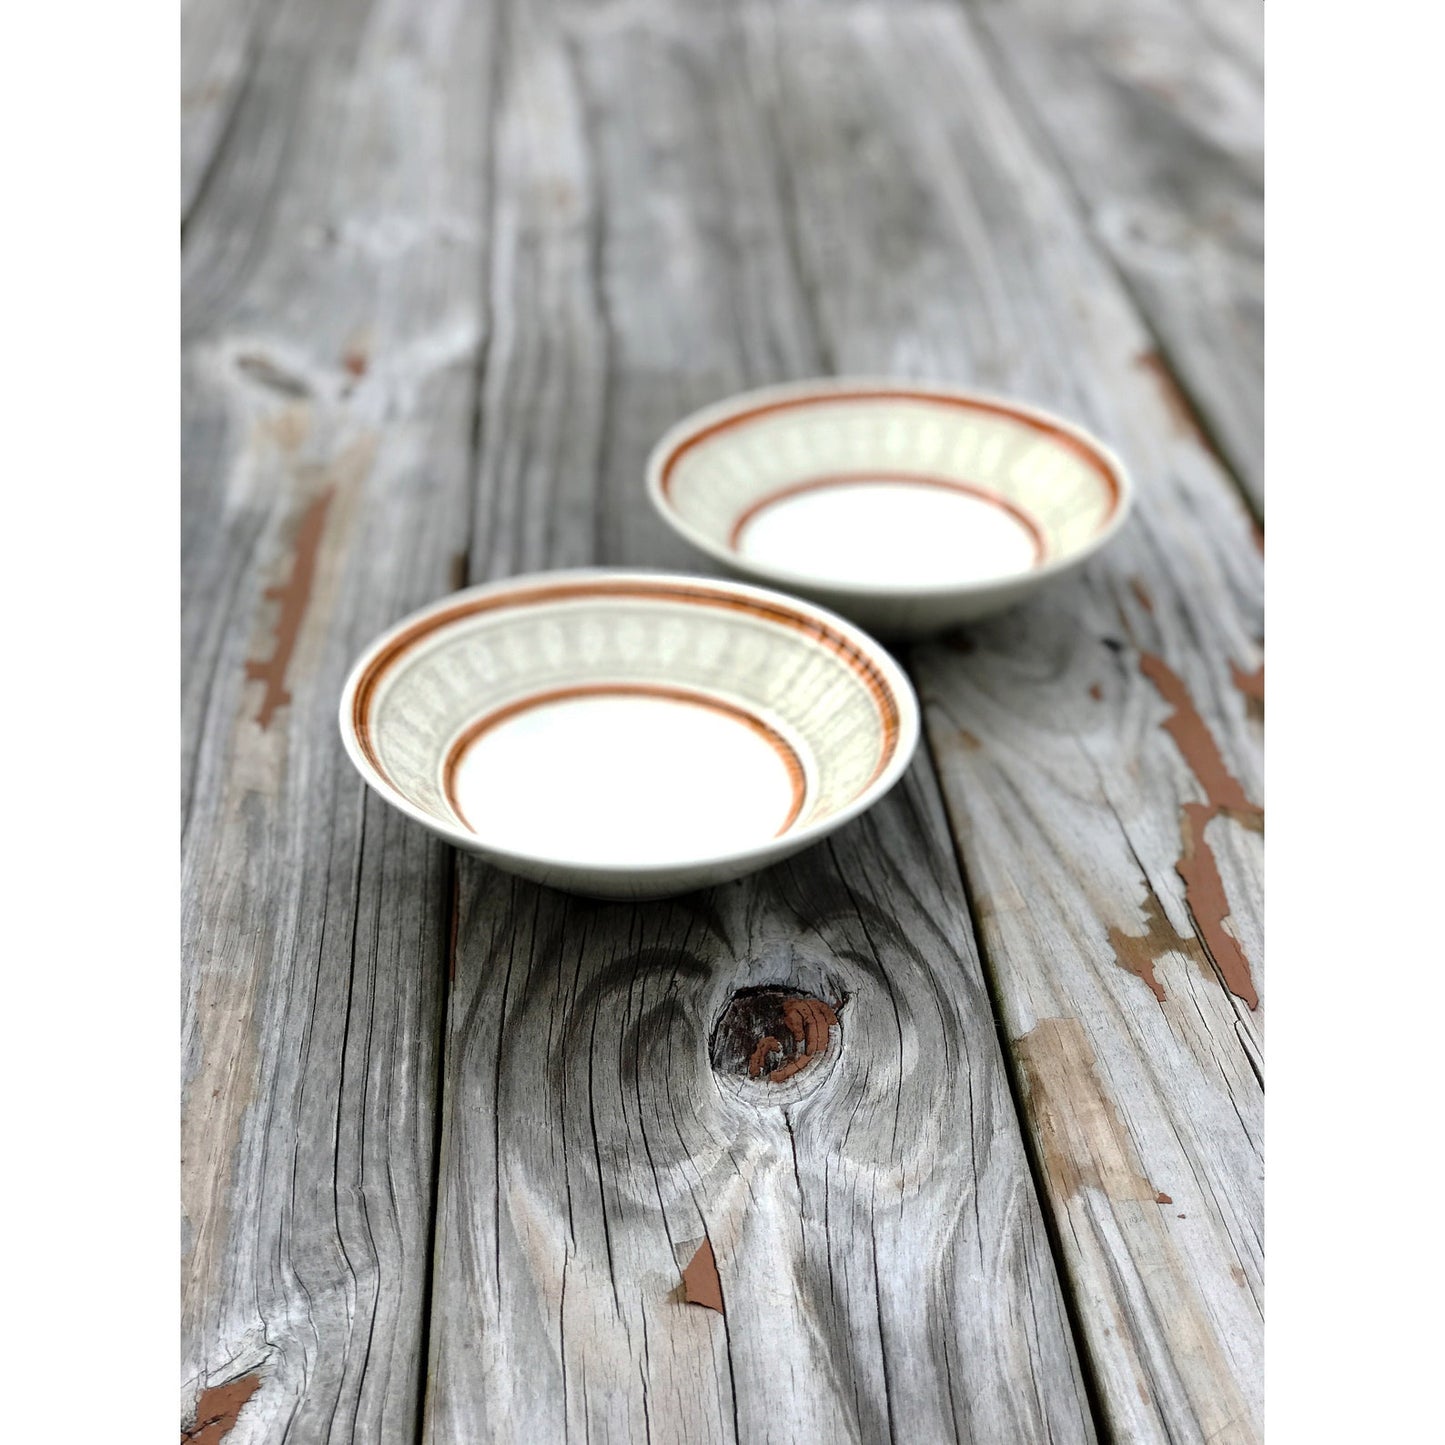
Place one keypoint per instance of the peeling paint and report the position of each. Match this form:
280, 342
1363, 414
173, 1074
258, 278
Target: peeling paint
758, 1060
700, 1282
809, 1021
1204, 892
1192, 736
293, 595
1141, 593
1139, 953
772, 1034
218, 1409
1203, 887
969, 740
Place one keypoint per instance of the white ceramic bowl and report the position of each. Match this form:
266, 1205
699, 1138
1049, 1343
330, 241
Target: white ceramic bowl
628, 734
907, 507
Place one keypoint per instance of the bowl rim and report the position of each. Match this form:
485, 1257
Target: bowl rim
900, 690
845, 388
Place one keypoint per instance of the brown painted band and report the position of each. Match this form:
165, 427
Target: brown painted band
1080, 448
768, 733
921, 479
635, 589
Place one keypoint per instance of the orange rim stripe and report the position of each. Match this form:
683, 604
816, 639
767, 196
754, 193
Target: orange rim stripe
821, 632
1067, 439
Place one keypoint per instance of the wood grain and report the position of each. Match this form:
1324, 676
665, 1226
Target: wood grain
333, 314
878, 1269
219, 43
650, 1225
1154, 110
934, 237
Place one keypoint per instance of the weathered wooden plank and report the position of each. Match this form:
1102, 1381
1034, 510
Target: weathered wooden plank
1096, 749
333, 308
1155, 110
670, 1207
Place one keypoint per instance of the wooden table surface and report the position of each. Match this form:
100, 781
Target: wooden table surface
469, 1160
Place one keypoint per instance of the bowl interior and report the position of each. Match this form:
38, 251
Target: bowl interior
880, 488
625, 722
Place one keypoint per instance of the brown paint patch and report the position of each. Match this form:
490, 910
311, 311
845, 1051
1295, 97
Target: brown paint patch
1238, 1276
293, 595
968, 740
1162, 1199
758, 1059
218, 1409
700, 1282
356, 361
1205, 895
1251, 685
1141, 592
1138, 954
772, 1034
1203, 887
1192, 737
1096, 692
1081, 1137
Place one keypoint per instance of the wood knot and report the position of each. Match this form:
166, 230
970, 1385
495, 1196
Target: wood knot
771, 1034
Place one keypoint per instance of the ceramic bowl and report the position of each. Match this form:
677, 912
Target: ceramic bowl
907, 507
628, 734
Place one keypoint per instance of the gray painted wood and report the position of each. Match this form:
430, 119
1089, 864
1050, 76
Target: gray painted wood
882, 1267
333, 315
1154, 109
